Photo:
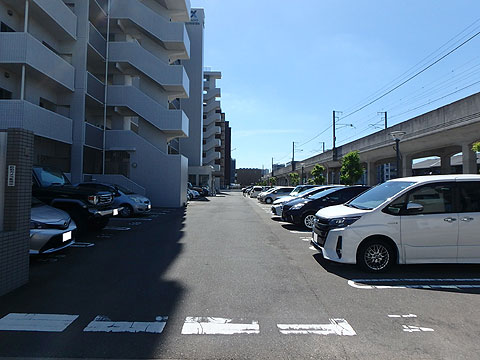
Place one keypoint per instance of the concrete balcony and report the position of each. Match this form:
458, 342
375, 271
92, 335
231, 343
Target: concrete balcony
59, 17
23, 48
93, 136
53, 15
173, 78
179, 10
211, 156
97, 41
25, 115
211, 131
211, 106
174, 123
212, 118
173, 36
95, 88
211, 144
213, 93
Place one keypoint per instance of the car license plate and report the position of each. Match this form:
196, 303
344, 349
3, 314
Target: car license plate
66, 236
115, 212
315, 237
149, 207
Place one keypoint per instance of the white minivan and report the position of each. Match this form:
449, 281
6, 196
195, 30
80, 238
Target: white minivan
414, 220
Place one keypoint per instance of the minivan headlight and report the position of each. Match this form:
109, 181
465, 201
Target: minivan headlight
298, 206
343, 222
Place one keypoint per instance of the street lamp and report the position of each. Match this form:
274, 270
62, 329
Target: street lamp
397, 136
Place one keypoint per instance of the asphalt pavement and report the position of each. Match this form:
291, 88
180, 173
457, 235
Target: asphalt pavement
222, 279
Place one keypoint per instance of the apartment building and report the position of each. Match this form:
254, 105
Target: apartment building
212, 123
191, 147
99, 83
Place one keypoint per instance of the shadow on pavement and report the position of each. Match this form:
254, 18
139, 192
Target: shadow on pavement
121, 277
463, 278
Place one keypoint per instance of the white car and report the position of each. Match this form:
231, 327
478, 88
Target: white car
270, 196
415, 220
255, 191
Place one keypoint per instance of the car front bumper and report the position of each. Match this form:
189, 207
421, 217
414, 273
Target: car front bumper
45, 241
335, 245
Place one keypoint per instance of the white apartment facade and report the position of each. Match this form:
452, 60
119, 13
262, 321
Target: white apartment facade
98, 83
212, 119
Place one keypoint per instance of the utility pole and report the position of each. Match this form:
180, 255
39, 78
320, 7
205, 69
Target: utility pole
333, 126
384, 117
272, 166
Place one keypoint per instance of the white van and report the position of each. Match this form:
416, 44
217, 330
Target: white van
414, 220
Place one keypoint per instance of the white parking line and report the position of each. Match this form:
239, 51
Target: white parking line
104, 324
300, 232
131, 219
82, 245
403, 284
408, 328
217, 326
313, 248
336, 327
403, 316
36, 322
116, 228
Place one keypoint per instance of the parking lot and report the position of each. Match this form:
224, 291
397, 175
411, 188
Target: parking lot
223, 279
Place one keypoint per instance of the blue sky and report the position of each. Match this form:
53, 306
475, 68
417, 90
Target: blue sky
286, 65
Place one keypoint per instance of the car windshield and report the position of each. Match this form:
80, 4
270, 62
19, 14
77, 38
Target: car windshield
321, 194
308, 192
372, 198
50, 176
124, 190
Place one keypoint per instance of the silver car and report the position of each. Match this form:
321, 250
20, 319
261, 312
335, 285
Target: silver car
130, 202
51, 229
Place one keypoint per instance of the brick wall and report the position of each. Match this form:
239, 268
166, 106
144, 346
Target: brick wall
14, 240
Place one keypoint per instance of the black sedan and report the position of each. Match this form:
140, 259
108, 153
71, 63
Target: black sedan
302, 211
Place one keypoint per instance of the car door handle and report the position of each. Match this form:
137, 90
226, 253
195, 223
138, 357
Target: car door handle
467, 219
449, 219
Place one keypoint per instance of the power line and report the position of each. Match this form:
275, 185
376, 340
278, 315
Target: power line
412, 77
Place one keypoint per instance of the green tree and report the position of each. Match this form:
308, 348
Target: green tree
476, 146
273, 181
351, 170
294, 178
317, 173
311, 181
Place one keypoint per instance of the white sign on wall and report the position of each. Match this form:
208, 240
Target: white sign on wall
11, 175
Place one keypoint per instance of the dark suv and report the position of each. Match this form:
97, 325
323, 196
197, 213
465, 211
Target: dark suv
302, 211
89, 208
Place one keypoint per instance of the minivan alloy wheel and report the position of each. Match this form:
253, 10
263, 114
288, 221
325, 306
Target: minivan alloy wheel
309, 220
376, 257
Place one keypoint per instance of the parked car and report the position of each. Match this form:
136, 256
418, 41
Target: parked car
255, 191
302, 211
277, 206
270, 196
51, 229
89, 208
423, 219
202, 190
130, 202
192, 194
246, 190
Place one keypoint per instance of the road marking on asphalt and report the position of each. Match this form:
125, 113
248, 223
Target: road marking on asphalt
403, 316
336, 327
299, 232
306, 238
134, 223
131, 219
403, 284
36, 322
116, 228
104, 324
313, 248
408, 328
82, 245
217, 326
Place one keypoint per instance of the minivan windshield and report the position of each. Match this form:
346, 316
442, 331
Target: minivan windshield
50, 176
370, 199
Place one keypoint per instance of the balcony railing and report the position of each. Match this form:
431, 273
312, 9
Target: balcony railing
23, 48
172, 35
171, 122
95, 88
171, 77
25, 115
97, 41
61, 16
93, 136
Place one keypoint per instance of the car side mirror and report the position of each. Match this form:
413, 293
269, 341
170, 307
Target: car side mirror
414, 208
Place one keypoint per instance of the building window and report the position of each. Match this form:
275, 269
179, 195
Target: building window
47, 104
5, 28
5, 94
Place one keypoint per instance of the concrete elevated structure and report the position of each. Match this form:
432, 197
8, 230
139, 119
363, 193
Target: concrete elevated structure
443, 132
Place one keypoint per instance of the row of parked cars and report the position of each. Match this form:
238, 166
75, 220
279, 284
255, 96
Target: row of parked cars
414, 220
61, 210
